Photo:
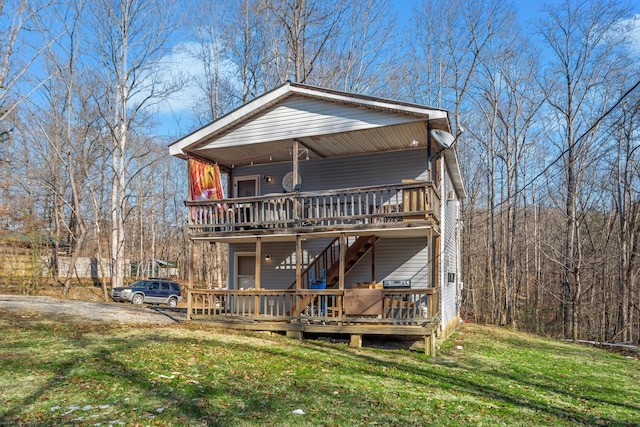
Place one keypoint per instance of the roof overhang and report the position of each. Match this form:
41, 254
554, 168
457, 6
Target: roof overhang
213, 141
325, 123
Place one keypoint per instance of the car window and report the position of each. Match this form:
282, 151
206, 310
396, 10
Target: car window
155, 286
139, 284
164, 286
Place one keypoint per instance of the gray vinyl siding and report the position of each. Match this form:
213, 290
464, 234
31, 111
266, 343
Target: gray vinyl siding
280, 271
396, 259
344, 172
449, 262
303, 117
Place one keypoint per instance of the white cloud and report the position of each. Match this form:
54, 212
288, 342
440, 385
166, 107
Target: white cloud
635, 33
181, 65
176, 111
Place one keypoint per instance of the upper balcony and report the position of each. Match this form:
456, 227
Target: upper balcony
400, 208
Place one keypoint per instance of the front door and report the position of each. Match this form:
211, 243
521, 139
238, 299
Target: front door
245, 271
246, 186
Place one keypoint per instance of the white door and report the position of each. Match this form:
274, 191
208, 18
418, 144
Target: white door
245, 270
246, 186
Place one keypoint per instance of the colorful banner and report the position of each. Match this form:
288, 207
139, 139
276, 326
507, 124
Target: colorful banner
205, 181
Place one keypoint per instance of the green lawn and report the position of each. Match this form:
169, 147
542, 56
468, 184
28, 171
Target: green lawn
95, 374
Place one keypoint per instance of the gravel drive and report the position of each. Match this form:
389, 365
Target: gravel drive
69, 310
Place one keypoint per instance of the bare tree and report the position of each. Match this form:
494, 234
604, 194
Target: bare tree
211, 25
451, 38
18, 54
623, 183
363, 56
65, 149
131, 40
586, 58
307, 28
509, 78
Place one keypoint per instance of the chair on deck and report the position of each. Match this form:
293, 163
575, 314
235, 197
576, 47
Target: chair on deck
320, 283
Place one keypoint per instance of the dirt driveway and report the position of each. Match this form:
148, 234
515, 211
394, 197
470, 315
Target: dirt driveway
68, 310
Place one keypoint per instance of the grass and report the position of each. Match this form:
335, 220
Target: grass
97, 374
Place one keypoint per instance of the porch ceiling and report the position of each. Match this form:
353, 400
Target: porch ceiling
374, 140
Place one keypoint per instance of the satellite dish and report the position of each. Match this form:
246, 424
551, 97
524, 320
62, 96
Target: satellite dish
287, 182
445, 139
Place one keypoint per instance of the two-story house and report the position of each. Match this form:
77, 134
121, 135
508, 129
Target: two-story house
341, 212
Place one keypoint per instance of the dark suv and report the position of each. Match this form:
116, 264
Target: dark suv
156, 291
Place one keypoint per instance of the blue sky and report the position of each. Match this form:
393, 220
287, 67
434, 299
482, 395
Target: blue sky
527, 10
176, 115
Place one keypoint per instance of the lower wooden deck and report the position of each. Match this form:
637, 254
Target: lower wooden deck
356, 332
394, 313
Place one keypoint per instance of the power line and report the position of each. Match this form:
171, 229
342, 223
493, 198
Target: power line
577, 141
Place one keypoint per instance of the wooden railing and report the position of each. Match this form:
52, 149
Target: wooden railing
365, 205
395, 306
254, 304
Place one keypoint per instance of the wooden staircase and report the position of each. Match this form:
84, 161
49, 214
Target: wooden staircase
329, 260
354, 253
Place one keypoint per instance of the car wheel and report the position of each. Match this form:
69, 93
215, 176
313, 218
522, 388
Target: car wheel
137, 299
172, 302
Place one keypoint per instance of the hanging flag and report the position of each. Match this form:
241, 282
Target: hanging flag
205, 181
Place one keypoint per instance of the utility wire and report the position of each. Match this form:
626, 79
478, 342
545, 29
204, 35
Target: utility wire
565, 151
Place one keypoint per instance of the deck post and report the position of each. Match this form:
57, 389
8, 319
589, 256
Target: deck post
431, 261
294, 334
430, 345
356, 341
190, 285
258, 278
298, 262
341, 265
258, 262
373, 259
295, 154
343, 250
